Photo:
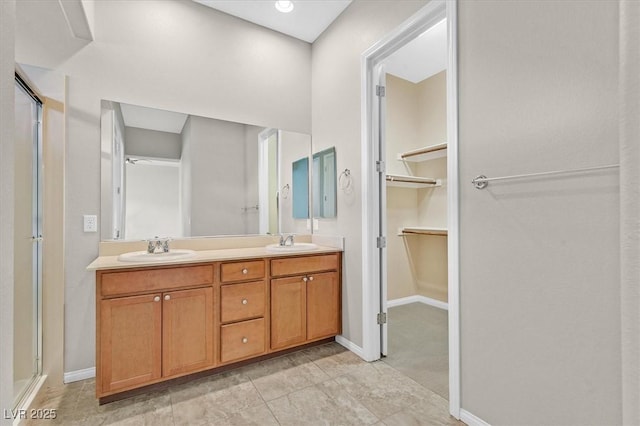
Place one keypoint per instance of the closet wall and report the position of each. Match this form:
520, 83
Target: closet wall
416, 118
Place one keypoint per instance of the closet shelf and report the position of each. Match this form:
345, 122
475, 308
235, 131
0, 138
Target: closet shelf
421, 230
412, 181
430, 152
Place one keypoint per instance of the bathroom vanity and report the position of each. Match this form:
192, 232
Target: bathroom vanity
156, 323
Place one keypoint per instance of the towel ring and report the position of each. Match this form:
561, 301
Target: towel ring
284, 192
345, 180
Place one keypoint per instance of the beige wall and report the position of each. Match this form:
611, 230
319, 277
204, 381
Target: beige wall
53, 245
7, 22
336, 122
630, 207
539, 272
236, 71
403, 253
416, 117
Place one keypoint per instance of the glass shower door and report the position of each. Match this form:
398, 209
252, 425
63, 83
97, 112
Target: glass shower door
27, 243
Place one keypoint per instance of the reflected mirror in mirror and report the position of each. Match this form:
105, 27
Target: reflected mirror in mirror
300, 188
177, 175
324, 183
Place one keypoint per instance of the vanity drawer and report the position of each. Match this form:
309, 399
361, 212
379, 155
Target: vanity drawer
151, 280
242, 340
242, 301
304, 265
242, 271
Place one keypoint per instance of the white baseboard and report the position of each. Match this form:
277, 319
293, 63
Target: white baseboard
351, 346
472, 420
76, 376
418, 299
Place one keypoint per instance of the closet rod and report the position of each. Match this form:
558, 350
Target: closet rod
481, 182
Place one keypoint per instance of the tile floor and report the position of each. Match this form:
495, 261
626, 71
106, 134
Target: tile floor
419, 345
325, 385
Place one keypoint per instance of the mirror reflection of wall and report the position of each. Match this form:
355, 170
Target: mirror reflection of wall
324, 184
178, 175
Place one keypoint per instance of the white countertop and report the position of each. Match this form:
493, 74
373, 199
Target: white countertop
202, 256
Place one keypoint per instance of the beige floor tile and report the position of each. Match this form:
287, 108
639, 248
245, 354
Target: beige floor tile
433, 412
325, 385
254, 416
212, 399
280, 376
336, 362
383, 390
322, 404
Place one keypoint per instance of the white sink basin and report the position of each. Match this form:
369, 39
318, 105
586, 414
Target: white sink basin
295, 247
143, 256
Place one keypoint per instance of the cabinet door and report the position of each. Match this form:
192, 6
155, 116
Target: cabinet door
288, 312
130, 341
187, 331
323, 305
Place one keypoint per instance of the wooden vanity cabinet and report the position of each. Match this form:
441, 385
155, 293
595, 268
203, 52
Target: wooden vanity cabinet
129, 342
306, 306
145, 338
187, 331
159, 323
243, 329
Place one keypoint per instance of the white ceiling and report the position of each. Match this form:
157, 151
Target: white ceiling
307, 21
153, 119
422, 57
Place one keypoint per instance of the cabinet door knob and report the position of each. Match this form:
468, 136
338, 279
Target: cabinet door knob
245, 340
245, 301
245, 271
310, 278
167, 297
305, 279
156, 299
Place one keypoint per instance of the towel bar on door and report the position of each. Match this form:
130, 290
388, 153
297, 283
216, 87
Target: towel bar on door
481, 182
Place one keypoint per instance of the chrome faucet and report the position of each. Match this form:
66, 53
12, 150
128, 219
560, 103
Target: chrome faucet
158, 245
283, 240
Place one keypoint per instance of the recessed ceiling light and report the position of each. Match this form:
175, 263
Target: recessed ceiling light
284, 6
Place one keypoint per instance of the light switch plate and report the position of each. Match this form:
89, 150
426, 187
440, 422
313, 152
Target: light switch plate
316, 224
90, 223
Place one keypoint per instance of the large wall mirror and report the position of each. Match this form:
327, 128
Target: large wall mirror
177, 175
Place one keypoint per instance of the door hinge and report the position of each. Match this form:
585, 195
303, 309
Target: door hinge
380, 91
382, 318
381, 242
380, 166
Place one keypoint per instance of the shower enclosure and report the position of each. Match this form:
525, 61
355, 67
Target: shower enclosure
27, 333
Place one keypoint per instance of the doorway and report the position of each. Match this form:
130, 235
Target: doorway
268, 184
414, 151
27, 341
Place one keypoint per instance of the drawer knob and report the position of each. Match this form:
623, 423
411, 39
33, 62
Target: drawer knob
245, 301
310, 278
305, 279
245, 340
156, 299
167, 297
245, 271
